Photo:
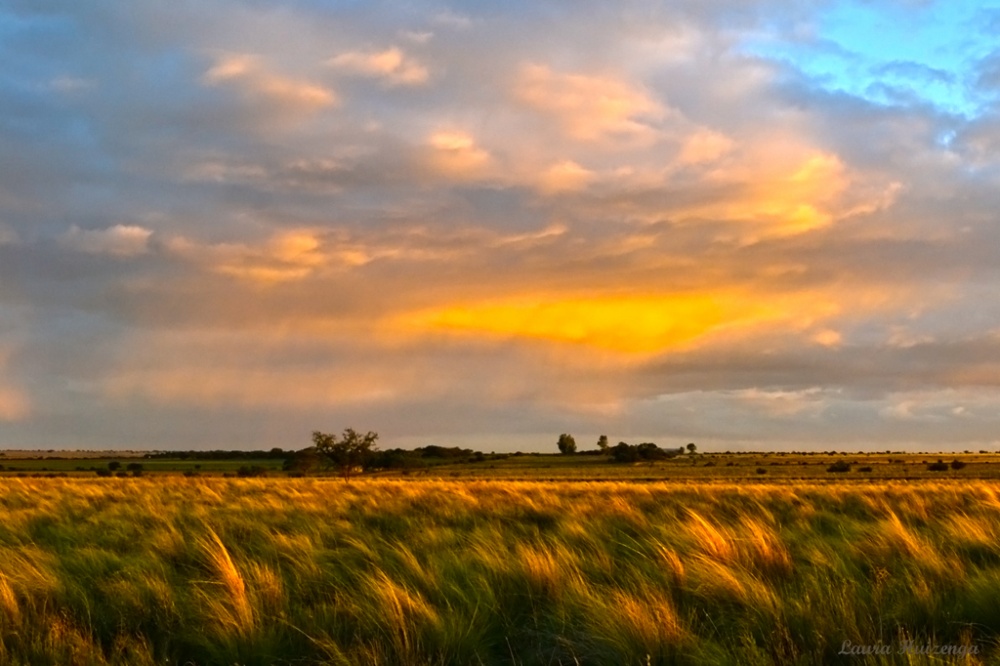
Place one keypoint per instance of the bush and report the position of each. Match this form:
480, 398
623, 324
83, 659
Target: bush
839, 466
866, 468
761, 470
957, 464
939, 466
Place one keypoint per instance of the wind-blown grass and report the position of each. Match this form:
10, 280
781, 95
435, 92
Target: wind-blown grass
309, 571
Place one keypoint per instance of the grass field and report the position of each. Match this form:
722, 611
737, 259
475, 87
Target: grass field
758, 467
173, 570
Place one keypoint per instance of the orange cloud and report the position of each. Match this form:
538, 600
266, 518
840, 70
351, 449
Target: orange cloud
588, 107
631, 324
793, 194
390, 65
288, 256
14, 405
456, 154
248, 74
565, 176
704, 146
212, 367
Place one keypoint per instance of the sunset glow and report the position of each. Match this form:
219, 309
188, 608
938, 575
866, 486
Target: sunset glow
629, 324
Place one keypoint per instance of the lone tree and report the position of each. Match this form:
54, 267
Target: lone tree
352, 451
691, 447
602, 443
566, 444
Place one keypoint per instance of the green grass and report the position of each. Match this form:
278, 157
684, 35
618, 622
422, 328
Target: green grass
86, 466
743, 467
716, 467
308, 571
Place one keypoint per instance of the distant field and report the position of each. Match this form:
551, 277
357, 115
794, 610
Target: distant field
757, 467
175, 570
764, 467
19, 454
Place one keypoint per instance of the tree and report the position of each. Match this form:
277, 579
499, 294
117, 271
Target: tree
566, 444
602, 443
691, 447
352, 451
624, 453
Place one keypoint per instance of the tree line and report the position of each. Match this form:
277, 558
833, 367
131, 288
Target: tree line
625, 452
353, 452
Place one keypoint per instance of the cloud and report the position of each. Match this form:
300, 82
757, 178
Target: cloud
248, 74
588, 107
390, 65
677, 221
628, 323
289, 256
565, 176
455, 154
704, 146
14, 405
8, 236
121, 240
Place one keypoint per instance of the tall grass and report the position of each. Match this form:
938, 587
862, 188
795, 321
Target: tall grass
310, 571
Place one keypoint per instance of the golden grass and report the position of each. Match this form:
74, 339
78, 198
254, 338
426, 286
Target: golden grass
227, 602
258, 571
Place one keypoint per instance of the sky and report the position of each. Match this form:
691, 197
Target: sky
742, 223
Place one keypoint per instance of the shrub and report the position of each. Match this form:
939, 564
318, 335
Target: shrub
939, 466
957, 464
839, 466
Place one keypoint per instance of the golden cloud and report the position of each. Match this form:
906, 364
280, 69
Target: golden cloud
247, 73
628, 324
792, 194
704, 146
390, 65
588, 108
288, 256
565, 176
455, 154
